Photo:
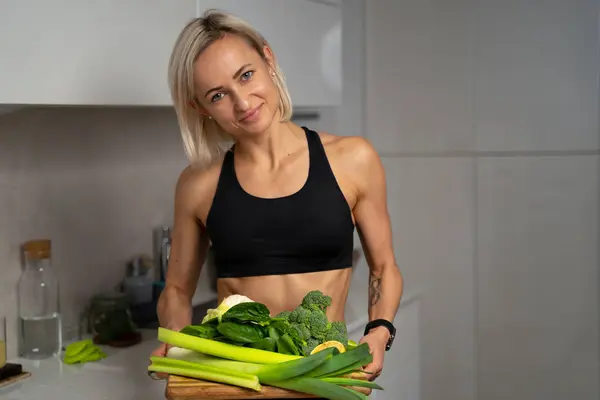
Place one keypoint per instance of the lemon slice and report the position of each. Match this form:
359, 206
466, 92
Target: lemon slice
328, 344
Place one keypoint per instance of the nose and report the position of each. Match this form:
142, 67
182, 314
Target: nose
241, 102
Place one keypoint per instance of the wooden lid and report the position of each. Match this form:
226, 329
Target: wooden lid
37, 249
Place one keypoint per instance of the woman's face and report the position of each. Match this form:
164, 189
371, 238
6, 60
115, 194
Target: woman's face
235, 86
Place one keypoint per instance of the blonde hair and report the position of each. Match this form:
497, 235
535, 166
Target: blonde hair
204, 140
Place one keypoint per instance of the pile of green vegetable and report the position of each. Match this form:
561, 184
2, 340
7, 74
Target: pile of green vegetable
243, 345
249, 323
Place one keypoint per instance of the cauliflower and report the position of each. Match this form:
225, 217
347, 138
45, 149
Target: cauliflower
225, 305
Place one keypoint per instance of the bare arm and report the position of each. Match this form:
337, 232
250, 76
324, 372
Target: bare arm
374, 227
188, 251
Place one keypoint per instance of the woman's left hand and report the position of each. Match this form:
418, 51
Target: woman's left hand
377, 339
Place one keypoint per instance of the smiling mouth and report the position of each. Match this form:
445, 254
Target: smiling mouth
250, 114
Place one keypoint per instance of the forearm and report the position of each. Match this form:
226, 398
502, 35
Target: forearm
385, 292
174, 308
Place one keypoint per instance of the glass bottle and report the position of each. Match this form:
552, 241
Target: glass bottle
40, 330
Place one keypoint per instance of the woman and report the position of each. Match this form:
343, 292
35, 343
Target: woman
278, 202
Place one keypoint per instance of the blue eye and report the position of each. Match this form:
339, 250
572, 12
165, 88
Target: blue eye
216, 97
247, 75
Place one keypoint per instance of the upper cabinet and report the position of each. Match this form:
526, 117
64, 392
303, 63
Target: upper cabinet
306, 37
114, 52
108, 52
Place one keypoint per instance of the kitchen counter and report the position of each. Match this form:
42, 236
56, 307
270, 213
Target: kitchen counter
122, 375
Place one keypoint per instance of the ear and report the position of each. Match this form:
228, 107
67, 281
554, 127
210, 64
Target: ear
269, 56
198, 108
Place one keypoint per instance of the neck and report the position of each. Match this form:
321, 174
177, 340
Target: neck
269, 148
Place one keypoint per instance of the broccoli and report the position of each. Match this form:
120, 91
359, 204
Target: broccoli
310, 346
318, 324
339, 332
299, 332
316, 300
284, 315
299, 315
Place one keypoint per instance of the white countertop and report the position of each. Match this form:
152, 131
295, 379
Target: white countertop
122, 375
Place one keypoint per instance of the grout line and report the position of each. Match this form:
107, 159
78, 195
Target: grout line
489, 154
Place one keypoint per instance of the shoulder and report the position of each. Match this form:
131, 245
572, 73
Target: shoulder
355, 159
196, 187
356, 151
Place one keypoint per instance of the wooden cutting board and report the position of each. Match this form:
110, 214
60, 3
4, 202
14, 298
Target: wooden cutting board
181, 388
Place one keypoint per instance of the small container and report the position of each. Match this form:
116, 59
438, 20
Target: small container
110, 320
2, 341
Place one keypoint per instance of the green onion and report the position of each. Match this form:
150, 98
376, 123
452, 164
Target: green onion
194, 370
220, 349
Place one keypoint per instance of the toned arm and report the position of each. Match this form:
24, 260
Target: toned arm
188, 251
374, 228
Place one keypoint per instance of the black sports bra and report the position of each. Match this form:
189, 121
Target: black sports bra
309, 231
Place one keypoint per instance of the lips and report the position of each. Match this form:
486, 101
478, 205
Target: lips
251, 114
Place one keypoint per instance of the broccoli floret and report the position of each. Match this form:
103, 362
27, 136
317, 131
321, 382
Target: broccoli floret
284, 314
339, 332
318, 324
316, 300
310, 346
299, 332
299, 315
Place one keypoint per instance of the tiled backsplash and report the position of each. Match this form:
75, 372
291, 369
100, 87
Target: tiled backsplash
96, 182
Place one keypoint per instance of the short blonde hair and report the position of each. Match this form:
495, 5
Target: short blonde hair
204, 140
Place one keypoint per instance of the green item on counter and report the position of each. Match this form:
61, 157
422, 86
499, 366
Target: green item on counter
82, 352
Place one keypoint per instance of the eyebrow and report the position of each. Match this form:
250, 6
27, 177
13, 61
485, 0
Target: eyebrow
235, 76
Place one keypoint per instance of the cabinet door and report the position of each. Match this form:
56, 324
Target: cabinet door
106, 52
306, 39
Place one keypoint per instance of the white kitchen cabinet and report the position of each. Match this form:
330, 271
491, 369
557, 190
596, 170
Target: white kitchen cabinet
109, 52
306, 39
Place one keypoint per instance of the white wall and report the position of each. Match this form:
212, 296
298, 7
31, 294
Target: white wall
486, 115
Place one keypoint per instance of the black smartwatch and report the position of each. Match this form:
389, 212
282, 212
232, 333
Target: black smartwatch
382, 322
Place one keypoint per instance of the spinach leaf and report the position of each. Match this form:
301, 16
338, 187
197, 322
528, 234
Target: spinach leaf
285, 345
248, 312
267, 343
201, 331
241, 333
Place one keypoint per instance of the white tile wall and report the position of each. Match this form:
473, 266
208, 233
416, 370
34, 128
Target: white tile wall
419, 67
431, 205
537, 278
508, 259
536, 82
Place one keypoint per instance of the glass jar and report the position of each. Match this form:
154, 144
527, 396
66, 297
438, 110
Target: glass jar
110, 318
40, 330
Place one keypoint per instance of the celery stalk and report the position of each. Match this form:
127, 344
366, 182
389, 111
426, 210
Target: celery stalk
213, 374
178, 353
220, 349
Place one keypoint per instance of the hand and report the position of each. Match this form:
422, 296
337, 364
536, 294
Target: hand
377, 339
161, 351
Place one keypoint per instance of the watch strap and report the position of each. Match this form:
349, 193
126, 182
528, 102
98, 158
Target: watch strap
387, 324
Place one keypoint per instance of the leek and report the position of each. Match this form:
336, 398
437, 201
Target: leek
220, 349
178, 353
209, 373
294, 368
340, 363
319, 388
352, 382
